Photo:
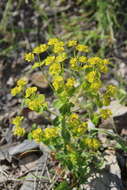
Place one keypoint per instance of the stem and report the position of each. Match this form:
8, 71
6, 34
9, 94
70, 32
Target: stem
52, 112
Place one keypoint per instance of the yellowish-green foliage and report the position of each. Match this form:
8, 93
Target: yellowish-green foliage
76, 81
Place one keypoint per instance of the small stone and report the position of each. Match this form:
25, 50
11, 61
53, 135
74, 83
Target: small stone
39, 80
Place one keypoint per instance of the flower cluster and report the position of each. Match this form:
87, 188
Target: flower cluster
37, 135
45, 135
76, 126
76, 80
29, 57
18, 130
105, 113
36, 103
19, 87
30, 91
92, 143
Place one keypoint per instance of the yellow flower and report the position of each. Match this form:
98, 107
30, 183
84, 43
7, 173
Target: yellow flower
29, 57
58, 48
49, 60
16, 90
37, 134
87, 66
105, 100
74, 116
37, 103
19, 131
70, 82
50, 133
91, 76
17, 120
105, 113
96, 85
94, 60
74, 119
40, 49
72, 43
22, 82
61, 57
81, 128
92, 143
103, 68
58, 82
111, 90
82, 48
54, 69
106, 62
82, 59
30, 91
53, 41
73, 63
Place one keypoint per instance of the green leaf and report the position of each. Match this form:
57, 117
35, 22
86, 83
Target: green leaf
65, 109
29, 136
34, 126
66, 135
56, 121
95, 119
58, 104
63, 186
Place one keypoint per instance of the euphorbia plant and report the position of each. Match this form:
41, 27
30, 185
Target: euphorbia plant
80, 95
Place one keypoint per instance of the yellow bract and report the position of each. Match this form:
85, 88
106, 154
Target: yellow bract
82, 48
74, 119
73, 63
106, 62
40, 49
111, 90
29, 57
50, 133
16, 90
18, 131
17, 120
95, 61
20, 86
91, 76
49, 60
37, 134
103, 68
58, 48
55, 69
82, 59
96, 85
80, 129
58, 82
105, 113
37, 103
105, 100
70, 82
53, 41
22, 82
30, 91
73, 116
92, 143
72, 43
61, 57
